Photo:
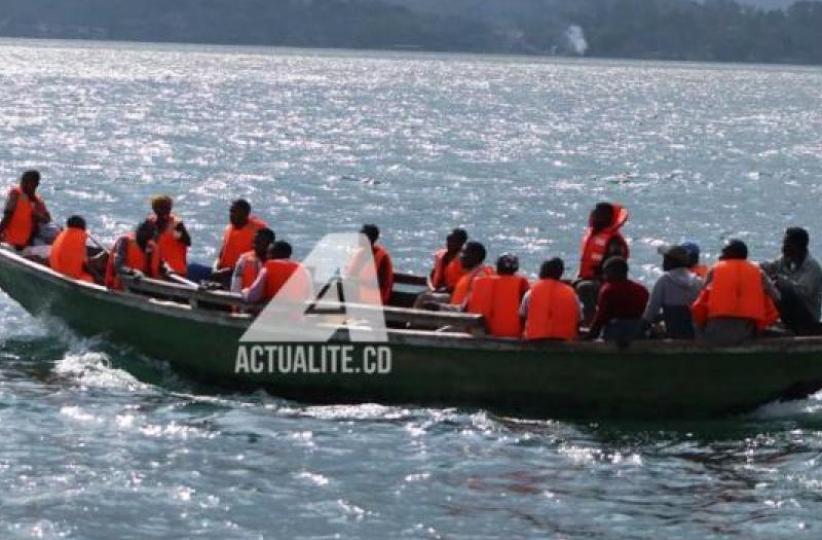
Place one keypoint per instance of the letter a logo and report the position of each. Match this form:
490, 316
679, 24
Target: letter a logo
335, 288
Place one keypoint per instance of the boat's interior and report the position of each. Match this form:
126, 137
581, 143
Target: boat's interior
399, 314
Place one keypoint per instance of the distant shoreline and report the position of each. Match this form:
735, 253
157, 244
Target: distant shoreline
407, 52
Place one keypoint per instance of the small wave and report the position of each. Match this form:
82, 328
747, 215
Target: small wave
94, 370
787, 409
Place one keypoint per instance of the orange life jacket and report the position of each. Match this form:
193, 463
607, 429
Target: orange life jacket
251, 268
700, 270
279, 272
68, 254
173, 251
384, 277
237, 241
21, 227
595, 244
135, 259
466, 282
498, 298
735, 291
446, 275
553, 311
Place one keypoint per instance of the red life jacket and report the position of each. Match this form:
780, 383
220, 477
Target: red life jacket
237, 241
384, 277
279, 272
553, 311
466, 282
251, 268
595, 244
68, 254
172, 250
498, 298
135, 259
446, 275
21, 227
735, 291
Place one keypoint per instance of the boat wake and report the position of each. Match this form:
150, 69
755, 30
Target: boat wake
807, 408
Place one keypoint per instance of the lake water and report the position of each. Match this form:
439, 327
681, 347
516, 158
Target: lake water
100, 443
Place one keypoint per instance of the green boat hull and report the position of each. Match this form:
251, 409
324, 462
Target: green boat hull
547, 380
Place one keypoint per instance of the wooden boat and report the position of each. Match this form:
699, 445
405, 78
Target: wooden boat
455, 367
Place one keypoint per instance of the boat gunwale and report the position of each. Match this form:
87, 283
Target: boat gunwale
417, 338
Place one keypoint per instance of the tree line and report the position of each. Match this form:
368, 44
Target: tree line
713, 30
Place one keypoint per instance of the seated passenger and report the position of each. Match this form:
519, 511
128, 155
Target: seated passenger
172, 239
448, 269
68, 253
136, 254
620, 305
551, 309
498, 298
602, 240
237, 239
251, 262
673, 294
277, 273
446, 272
472, 258
693, 251
738, 299
25, 213
798, 277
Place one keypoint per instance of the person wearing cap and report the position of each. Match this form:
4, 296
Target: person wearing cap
693, 251
602, 240
620, 305
673, 294
738, 300
551, 309
498, 298
798, 277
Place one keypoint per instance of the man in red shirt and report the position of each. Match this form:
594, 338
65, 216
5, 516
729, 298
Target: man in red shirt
620, 305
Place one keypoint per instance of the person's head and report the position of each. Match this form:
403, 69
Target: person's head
262, 240
280, 250
674, 257
795, 244
239, 212
29, 181
455, 240
693, 251
552, 269
472, 255
161, 205
602, 216
615, 269
76, 222
507, 264
371, 231
734, 249
145, 232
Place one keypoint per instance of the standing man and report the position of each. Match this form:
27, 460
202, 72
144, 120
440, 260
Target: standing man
602, 241
172, 238
798, 277
25, 212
